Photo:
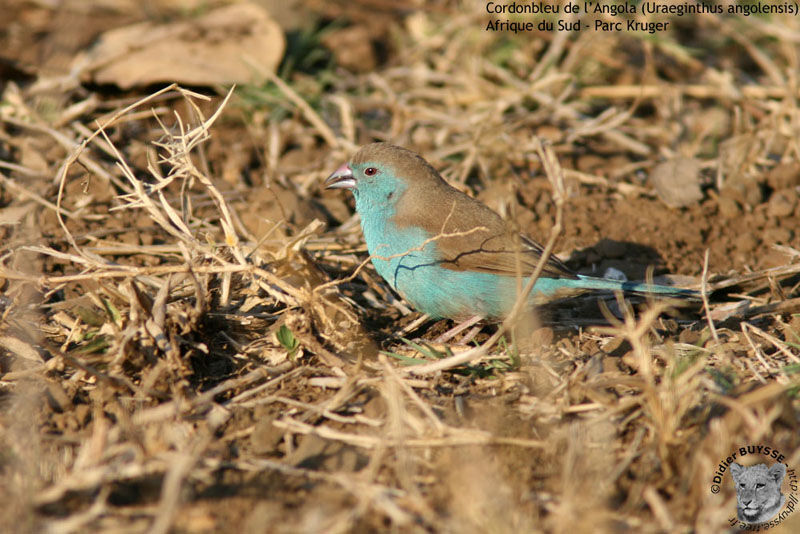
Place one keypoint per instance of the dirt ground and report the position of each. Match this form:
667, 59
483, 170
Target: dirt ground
192, 341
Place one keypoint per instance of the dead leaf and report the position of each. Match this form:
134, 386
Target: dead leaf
20, 348
13, 214
232, 44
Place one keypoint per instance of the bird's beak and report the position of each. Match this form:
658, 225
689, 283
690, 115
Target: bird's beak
342, 178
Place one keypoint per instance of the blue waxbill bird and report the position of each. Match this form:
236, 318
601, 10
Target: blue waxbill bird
447, 254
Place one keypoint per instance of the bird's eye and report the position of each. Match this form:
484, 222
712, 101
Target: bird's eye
370, 171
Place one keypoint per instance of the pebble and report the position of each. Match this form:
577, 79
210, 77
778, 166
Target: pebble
543, 337
728, 207
746, 242
691, 337
677, 182
780, 236
590, 163
782, 203
784, 175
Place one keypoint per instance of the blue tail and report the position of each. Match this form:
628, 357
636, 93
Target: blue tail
555, 285
589, 282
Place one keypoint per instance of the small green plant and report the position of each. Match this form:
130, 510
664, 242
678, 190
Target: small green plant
112, 312
287, 340
96, 343
482, 370
724, 379
307, 66
425, 349
514, 360
685, 359
89, 316
92, 341
790, 331
793, 369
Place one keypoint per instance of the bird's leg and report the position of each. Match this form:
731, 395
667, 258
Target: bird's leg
447, 336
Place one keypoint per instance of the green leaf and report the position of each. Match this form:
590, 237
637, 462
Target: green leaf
89, 316
792, 368
113, 312
98, 344
405, 360
287, 340
726, 382
428, 351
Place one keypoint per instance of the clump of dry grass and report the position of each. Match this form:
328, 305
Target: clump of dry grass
140, 329
165, 368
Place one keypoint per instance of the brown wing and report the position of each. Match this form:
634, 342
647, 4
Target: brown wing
484, 242
504, 254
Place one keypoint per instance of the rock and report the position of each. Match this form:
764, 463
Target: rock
782, 203
728, 208
590, 163
613, 273
690, 337
780, 236
784, 176
754, 193
677, 182
542, 337
746, 242
735, 193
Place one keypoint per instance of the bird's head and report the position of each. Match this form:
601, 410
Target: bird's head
379, 173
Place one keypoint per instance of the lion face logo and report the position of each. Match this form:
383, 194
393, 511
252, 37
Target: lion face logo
758, 491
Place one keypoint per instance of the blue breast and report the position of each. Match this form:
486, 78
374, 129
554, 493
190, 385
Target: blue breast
429, 287
413, 270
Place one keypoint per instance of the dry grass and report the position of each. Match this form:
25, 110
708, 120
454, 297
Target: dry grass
173, 363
